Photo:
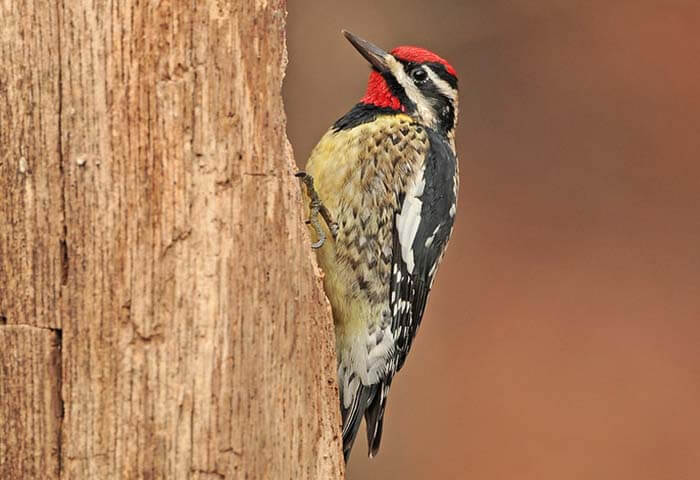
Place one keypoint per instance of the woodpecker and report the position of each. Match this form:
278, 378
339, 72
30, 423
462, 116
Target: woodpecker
385, 179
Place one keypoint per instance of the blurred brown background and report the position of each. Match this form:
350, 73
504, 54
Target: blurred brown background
562, 339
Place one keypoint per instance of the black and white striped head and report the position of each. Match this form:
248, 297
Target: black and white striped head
413, 80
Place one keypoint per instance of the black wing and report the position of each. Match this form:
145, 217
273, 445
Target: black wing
409, 289
411, 278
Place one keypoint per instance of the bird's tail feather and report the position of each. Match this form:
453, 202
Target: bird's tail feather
352, 416
374, 418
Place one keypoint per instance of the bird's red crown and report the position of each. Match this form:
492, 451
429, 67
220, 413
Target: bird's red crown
421, 55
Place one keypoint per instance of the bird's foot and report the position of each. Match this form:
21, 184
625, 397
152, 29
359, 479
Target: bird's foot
316, 206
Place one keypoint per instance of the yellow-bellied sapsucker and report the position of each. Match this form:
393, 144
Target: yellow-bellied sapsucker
386, 175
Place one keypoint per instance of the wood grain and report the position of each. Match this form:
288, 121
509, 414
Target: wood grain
197, 342
30, 403
31, 201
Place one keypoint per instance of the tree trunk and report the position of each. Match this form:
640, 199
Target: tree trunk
161, 315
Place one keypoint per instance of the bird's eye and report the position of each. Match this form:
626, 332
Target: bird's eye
419, 75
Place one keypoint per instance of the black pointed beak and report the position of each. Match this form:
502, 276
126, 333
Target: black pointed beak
374, 55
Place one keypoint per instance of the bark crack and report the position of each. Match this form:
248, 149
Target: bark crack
209, 473
179, 237
193, 65
4, 322
63, 242
61, 404
62, 174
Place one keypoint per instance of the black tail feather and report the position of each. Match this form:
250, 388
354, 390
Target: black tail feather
352, 416
374, 418
370, 403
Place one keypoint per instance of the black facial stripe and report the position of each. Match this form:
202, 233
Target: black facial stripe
446, 114
430, 90
441, 104
442, 72
436, 67
408, 66
399, 92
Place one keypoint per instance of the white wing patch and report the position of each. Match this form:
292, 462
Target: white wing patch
430, 239
408, 220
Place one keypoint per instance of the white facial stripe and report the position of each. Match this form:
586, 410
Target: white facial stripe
442, 85
423, 106
445, 89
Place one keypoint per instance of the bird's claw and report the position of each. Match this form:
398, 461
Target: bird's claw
316, 206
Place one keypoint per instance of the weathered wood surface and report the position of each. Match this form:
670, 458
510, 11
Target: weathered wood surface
148, 211
30, 402
31, 193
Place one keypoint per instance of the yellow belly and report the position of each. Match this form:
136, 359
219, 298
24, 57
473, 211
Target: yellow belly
356, 174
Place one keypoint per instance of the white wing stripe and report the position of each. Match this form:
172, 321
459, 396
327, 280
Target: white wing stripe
408, 221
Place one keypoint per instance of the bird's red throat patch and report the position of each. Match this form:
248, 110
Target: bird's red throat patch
379, 94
